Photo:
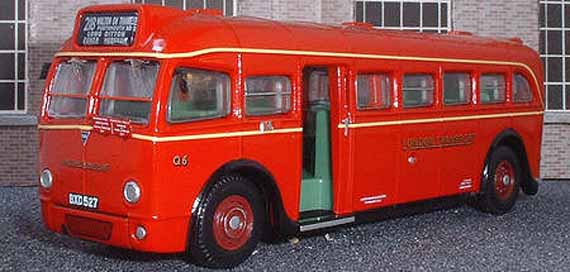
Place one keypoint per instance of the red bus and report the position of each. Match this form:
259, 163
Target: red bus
167, 131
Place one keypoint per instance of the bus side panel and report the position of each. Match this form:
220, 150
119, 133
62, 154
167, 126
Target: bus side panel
460, 159
176, 186
279, 149
460, 163
530, 130
490, 129
375, 158
375, 149
280, 155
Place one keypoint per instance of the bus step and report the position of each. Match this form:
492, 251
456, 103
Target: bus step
318, 224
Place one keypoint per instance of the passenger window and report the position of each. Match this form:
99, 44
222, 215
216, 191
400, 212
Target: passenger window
521, 89
492, 88
456, 88
373, 91
267, 95
418, 90
198, 95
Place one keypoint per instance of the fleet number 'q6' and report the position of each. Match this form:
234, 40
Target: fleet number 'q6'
180, 161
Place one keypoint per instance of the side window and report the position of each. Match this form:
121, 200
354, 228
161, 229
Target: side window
266, 95
521, 89
417, 90
492, 88
198, 95
456, 88
373, 91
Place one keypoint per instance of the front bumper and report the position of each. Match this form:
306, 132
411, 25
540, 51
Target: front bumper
163, 235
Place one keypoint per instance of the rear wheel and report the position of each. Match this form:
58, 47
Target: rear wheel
501, 184
228, 225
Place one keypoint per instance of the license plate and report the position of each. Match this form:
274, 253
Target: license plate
85, 201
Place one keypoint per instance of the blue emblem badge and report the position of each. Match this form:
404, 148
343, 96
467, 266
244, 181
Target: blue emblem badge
85, 136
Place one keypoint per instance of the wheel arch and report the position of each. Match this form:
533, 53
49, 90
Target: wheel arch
278, 220
513, 140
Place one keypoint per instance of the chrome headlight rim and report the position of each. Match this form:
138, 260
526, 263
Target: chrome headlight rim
132, 192
46, 179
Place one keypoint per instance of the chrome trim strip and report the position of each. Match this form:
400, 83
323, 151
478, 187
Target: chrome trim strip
440, 120
155, 139
64, 127
327, 224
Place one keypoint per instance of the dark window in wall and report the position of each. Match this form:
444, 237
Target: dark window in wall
226, 6
555, 53
424, 16
13, 49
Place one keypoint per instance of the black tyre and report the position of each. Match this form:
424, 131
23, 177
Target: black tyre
229, 223
501, 182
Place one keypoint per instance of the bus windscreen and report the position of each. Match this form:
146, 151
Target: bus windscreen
128, 90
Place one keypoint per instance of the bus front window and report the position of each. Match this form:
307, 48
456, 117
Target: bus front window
128, 90
68, 90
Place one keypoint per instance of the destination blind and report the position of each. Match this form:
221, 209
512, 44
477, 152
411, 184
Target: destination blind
108, 29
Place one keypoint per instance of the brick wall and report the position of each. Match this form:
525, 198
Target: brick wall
337, 11
555, 163
291, 10
18, 154
505, 18
327, 11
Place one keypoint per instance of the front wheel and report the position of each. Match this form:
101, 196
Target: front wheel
228, 225
501, 182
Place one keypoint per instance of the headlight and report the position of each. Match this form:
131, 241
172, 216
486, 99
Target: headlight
46, 179
132, 192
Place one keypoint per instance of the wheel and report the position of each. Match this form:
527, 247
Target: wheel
501, 183
229, 223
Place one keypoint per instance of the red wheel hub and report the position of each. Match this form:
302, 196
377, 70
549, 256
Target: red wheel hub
504, 180
233, 222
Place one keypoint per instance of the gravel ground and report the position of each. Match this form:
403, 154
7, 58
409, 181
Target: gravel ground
534, 237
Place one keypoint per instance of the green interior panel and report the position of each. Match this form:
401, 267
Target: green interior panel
316, 191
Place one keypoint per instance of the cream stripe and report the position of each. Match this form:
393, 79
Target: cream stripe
64, 127
298, 53
441, 120
214, 135
295, 130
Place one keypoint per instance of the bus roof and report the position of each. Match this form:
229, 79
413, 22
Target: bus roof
199, 30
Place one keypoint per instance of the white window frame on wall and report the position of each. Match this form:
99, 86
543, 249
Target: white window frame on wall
16, 51
545, 56
421, 28
205, 5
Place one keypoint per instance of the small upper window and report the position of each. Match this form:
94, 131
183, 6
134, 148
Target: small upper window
456, 88
418, 90
318, 87
267, 95
373, 91
69, 89
521, 89
492, 88
198, 95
